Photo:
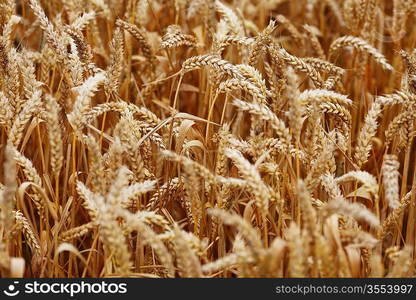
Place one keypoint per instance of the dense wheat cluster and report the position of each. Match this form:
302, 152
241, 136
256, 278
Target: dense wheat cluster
207, 138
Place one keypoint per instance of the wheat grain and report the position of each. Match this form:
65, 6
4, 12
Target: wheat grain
390, 170
361, 45
197, 62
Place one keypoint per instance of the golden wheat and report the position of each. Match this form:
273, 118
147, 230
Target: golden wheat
207, 138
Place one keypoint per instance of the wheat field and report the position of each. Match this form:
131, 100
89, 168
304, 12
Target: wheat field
207, 138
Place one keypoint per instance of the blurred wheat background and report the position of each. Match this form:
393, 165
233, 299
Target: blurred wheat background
207, 138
